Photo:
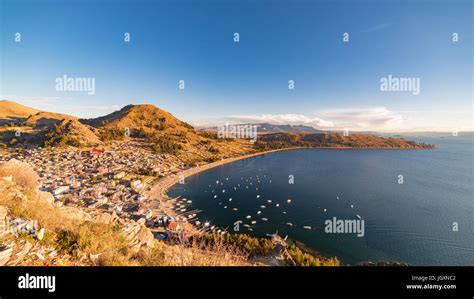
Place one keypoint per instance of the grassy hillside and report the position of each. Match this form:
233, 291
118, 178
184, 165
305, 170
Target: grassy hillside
13, 112
164, 133
160, 132
335, 140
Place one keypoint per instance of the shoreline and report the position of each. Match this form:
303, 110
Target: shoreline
159, 189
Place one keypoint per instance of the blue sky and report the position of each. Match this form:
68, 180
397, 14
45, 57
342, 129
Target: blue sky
337, 84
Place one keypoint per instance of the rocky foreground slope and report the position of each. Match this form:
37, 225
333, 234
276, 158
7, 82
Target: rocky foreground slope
34, 231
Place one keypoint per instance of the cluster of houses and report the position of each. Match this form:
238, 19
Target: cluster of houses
115, 180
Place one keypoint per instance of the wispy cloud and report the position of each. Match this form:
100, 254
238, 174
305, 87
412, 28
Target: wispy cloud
377, 27
357, 119
283, 119
376, 118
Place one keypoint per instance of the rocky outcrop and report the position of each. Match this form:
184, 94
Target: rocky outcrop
138, 235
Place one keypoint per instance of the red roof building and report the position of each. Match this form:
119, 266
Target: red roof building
96, 151
173, 225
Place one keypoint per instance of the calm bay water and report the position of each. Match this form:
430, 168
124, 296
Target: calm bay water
410, 222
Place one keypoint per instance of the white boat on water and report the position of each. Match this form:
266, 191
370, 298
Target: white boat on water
253, 222
307, 227
289, 224
288, 201
277, 205
263, 207
269, 201
264, 219
258, 196
235, 209
259, 212
248, 217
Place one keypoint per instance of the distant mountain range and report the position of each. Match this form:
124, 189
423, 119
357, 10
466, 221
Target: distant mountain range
163, 132
267, 128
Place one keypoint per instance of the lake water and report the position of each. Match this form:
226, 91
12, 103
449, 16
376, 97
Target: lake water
411, 222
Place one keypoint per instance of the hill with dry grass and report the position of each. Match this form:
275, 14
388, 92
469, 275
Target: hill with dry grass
144, 116
46, 120
161, 132
70, 132
164, 133
335, 140
14, 112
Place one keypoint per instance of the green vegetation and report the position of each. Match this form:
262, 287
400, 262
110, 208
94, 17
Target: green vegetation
334, 140
68, 241
213, 150
265, 247
209, 135
57, 137
211, 159
166, 145
111, 134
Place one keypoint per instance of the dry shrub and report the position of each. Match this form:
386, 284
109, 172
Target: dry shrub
195, 253
103, 239
95, 239
22, 173
32, 206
